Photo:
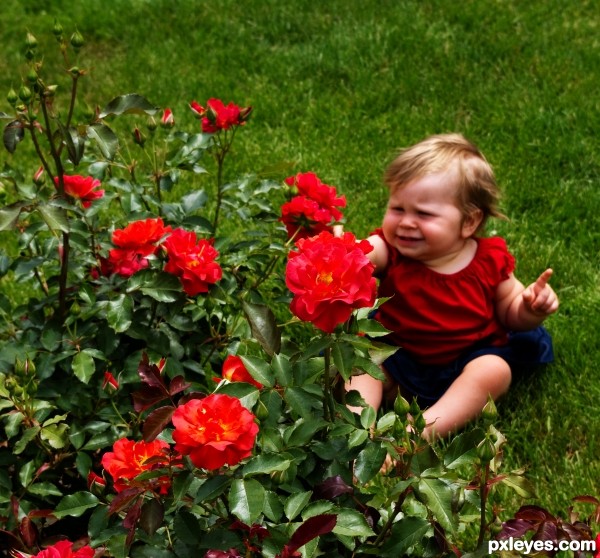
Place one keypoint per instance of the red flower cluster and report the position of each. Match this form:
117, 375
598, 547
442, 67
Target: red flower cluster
330, 277
135, 242
61, 549
315, 207
214, 431
130, 458
192, 260
218, 116
81, 187
235, 371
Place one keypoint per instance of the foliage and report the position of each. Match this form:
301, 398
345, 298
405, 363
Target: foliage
111, 361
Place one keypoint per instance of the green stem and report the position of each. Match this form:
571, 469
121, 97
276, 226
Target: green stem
328, 404
483, 493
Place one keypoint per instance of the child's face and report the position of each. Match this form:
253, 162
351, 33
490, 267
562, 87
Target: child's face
423, 221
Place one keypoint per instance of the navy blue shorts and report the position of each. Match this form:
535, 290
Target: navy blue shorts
429, 382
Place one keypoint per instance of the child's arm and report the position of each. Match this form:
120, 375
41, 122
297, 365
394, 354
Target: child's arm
378, 256
521, 308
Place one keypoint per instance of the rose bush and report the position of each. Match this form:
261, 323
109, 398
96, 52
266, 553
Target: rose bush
132, 296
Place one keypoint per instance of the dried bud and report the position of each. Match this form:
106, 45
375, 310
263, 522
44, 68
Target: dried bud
77, 40
50, 90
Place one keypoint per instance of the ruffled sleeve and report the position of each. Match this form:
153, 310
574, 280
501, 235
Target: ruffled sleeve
497, 261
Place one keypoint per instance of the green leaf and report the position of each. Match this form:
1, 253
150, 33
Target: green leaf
56, 435
352, 523
105, 138
263, 326
437, 496
369, 461
9, 215
295, 503
246, 500
303, 431
75, 504
162, 287
151, 518
259, 370
212, 488
273, 508
520, 485
83, 366
463, 448
26, 473
407, 532
193, 201
266, 463
282, 368
300, 401
28, 436
55, 217
343, 358
44, 489
372, 328
120, 313
13, 135
131, 103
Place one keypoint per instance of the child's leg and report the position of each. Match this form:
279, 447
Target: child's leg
467, 395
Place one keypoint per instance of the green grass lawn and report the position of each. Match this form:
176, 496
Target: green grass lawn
337, 86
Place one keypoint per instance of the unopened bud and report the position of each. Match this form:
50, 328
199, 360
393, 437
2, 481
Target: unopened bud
25, 94
261, 411
401, 406
12, 97
57, 29
74, 71
39, 177
486, 451
29, 54
489, 413
77, 40
50, 90
138, 137
151, 124
32, 76
95, 482
167, 120
30, 41
110, 383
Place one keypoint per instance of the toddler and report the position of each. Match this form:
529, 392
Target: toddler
461, 318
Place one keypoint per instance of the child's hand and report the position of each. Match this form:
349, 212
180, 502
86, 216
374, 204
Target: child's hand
539, 298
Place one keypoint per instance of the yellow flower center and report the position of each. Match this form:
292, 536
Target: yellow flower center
325, 277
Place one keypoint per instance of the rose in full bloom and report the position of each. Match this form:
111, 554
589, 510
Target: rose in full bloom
136, 242
82, 187
218, 116
192, 260
314, 209
235, 371
214, 431
330, 277
61, 549
130, 458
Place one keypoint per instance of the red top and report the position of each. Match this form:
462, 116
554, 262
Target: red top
436, 316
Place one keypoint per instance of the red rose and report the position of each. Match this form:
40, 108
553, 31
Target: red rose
218, 116
82, 187
192, 260
235, 371
61, 549
130, 458
314, 209
110, 383
214, 431
140, 234
135, 242
330, 277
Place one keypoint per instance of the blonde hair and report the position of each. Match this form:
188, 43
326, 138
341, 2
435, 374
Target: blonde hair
476, 187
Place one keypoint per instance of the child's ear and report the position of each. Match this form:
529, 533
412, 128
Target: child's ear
471, 223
